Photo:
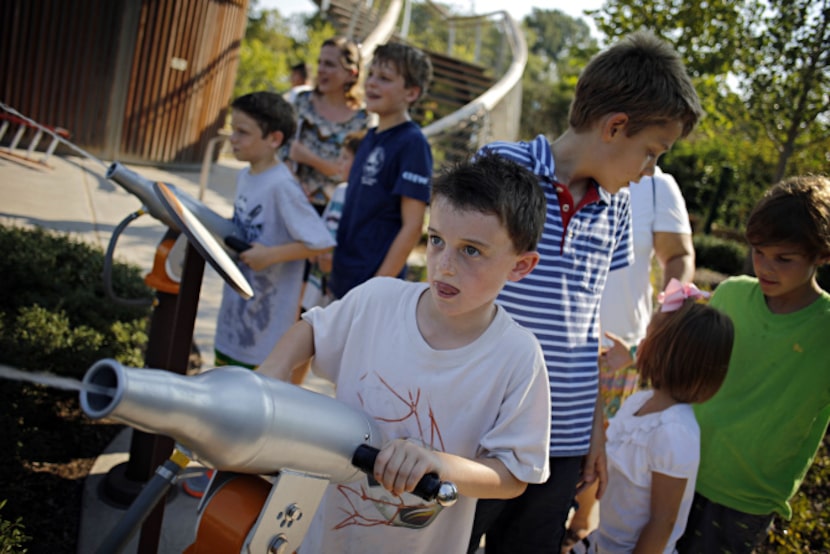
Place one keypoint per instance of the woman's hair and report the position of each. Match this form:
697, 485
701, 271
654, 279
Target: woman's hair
349, 60
686, 352
353, 140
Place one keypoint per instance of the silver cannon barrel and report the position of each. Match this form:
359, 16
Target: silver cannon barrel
233, 418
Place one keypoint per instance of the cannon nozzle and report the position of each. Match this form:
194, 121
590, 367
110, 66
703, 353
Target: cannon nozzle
221, 228
233, 418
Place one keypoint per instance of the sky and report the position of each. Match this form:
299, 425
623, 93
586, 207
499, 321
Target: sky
518, 9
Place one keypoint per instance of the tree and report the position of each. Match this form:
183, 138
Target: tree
785, 71
559, 46
761, 70
269, 49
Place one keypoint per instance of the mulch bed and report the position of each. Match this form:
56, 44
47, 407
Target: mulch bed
48, 449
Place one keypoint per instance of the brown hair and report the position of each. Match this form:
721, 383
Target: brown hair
796, 210
686, 352
270, 110
411, 63
492, 184
349, 60
641, 76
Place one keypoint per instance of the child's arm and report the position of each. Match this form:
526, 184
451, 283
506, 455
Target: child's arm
666, 495
412, 216
293, 350
259, 256
618, 356
401, 464
596, 464
301, 153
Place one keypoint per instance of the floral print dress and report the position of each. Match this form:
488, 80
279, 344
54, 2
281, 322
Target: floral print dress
324, 138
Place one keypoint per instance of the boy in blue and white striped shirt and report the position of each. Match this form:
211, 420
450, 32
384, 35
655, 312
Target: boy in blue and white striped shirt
632, 102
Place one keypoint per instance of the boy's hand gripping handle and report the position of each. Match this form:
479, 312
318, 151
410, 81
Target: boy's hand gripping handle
236, 243
430, 487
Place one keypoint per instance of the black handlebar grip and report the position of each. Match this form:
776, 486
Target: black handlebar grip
430, 487
237, 244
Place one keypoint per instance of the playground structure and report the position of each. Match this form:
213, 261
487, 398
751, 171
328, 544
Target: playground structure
164, 89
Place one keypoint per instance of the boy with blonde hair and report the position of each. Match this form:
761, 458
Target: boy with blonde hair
632, 102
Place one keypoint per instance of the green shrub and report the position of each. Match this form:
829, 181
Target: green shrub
12, 537
807, 531
54, 313
721, 255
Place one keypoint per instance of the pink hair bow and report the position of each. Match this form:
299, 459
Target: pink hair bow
676, 293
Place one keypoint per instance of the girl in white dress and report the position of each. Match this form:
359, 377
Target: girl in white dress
653, 443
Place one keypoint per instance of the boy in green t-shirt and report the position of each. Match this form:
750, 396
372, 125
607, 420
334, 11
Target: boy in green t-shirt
760, 432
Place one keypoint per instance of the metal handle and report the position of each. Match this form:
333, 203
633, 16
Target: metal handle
430, 487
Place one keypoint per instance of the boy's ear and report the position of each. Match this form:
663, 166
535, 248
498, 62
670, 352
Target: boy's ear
614, 125
525, 262
412, 94
276, 138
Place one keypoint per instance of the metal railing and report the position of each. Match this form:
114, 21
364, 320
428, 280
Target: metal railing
494, 114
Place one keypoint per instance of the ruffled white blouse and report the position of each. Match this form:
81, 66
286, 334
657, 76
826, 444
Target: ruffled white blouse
666, 442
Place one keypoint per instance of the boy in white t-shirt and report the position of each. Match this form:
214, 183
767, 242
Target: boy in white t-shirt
273, 215
455, 385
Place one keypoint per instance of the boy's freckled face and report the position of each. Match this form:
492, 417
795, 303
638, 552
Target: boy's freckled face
635, 157
469, 258
246, 139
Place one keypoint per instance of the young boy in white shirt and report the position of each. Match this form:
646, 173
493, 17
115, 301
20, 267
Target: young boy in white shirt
456, 386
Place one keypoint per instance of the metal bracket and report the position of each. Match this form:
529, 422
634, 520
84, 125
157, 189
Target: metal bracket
287, 513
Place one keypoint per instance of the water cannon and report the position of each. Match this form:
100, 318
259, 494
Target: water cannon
277, 447
234, 418
222, 229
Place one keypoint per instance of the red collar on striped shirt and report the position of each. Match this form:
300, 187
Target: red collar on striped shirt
566, 201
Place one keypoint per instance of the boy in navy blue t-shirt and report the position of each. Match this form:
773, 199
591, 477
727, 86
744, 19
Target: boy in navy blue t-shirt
389, 184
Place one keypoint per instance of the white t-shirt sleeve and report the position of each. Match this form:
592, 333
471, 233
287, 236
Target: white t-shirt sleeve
515, 438
332, 326
301, 219
670, 214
